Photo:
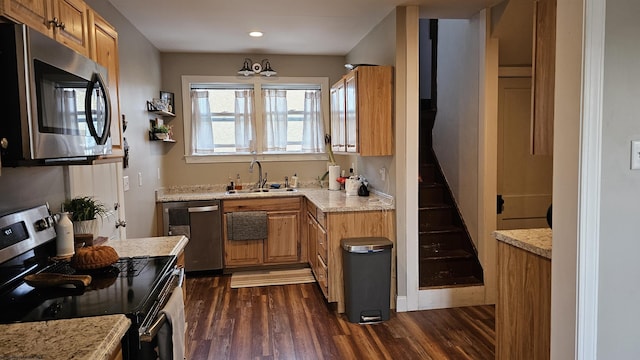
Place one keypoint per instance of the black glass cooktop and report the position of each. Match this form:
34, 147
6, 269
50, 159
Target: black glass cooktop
128, 287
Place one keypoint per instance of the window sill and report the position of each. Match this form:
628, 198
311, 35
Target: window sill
237, 158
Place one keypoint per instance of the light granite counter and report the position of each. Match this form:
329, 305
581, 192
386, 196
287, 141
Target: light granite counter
537, 241
326, 200
93, 338
152, 246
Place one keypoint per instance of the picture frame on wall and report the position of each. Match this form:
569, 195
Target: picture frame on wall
169, 98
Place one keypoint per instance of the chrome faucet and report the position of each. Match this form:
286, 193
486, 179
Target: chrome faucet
259, 184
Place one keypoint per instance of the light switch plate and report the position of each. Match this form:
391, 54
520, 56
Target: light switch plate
635, 155
125, 183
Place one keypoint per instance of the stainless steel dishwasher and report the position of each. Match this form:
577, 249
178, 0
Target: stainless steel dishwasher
200, 221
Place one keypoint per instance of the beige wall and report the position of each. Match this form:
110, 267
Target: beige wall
26, 187
175, 171
455, 133
512, 24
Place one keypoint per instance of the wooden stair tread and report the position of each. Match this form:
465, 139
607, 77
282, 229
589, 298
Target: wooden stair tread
453, 282
436, 206
441, 230
444, 254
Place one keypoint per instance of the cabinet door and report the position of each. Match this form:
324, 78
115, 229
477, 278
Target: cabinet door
338, 118
351, 111
374, 110
282, 243
312, 231
74, 33
34, 13
544, 57
101, 181
104, 50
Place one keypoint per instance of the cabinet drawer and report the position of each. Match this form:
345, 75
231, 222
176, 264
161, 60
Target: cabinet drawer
270, 204
311, 208
322, 274
321, 244
322, 220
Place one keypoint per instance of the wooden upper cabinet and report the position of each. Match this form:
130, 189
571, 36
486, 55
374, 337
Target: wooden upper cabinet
35, 13
351, 111
103, 48
367, 107
72, 29
543, 84
63, 20
338, 117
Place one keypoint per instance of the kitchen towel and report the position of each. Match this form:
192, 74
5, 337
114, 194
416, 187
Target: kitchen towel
247, 225
171, 334
334, 174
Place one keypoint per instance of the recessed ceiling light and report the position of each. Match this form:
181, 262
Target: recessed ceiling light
256, 34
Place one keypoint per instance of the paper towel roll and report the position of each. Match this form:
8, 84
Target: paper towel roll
334, 174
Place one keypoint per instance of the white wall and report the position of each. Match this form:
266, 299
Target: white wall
566, 159
455, 133
378, 47
619, 294
139, 82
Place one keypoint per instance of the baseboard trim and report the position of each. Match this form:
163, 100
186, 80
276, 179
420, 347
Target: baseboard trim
451, 297
401, 304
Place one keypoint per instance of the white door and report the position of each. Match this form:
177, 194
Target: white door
101, 182
524, 180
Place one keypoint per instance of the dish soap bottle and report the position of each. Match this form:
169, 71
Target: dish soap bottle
238, 183
294, 180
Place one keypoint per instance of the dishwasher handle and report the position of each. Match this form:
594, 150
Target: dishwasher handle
200, 209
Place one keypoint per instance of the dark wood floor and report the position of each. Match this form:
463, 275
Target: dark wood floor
295, 322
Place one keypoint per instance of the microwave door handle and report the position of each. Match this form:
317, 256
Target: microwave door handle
96, 78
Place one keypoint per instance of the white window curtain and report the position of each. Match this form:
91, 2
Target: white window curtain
244, 122
67, 109
275, 119
201, 126
312, 126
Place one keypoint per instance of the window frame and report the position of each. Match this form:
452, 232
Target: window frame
257, 82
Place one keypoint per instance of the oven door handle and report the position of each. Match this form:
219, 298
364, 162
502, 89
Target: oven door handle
150, 333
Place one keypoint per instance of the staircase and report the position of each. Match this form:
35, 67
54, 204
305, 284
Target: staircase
447, 255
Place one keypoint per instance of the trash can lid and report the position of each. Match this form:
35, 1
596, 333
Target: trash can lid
365, 244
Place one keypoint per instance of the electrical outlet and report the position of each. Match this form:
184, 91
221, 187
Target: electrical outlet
635, 155
125, 183
139, 179
383, 174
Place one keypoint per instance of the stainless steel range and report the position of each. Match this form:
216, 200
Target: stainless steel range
137, 287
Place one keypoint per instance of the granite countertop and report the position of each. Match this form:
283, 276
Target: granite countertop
537, 241
91, 338
326, 200
152, 246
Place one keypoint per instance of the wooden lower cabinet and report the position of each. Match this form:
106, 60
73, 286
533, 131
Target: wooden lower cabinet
523, 307
283, 244
326, 230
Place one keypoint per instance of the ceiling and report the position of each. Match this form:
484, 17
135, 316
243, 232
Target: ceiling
301, 27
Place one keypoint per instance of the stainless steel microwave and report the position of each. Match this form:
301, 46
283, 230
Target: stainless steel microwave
54, 102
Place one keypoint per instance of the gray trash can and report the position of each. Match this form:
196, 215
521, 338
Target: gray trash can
367, 278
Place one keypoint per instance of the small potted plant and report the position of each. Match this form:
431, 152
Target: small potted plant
160, 132
85, 211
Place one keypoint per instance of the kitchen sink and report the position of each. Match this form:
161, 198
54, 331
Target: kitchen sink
258, 191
